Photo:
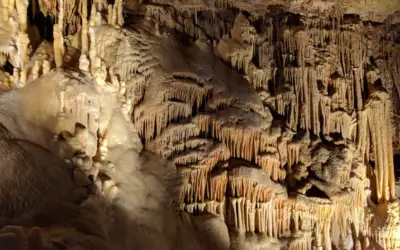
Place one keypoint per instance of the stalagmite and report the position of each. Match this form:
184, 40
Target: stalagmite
46, 66
35, 70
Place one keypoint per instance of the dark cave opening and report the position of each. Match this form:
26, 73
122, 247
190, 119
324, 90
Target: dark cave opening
351, 18
45, 26
8, 67
314, 191
396, 163
42, 22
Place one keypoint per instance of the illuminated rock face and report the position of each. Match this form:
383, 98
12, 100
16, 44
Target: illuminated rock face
199, 124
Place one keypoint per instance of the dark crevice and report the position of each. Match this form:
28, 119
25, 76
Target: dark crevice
44, 25
351, 19
278, 116
314, 191
396, 163
8, 67
294, 20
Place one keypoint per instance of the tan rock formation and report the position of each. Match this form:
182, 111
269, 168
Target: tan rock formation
274, 122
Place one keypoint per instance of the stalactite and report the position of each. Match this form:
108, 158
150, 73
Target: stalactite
293, 154
22, 44
340, 122
270, 163
92, 50
114, 14
243, 31
11, 6
309, 73
203, 158
216, 187
23, 41
22, 9
244, 143
193, 189
4, 10
378, 109
259, 77
93, 14
180, 89
173, 89
59, 49
174, 138
110, 14
84, 16
159, 118
120, 16
239, 57
252, 204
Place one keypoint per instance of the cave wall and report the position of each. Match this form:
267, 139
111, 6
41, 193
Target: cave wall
320, 76
281, 118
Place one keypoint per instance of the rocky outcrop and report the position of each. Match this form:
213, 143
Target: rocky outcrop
276, 120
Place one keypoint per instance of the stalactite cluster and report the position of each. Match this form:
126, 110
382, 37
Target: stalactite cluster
319, 76
278, 121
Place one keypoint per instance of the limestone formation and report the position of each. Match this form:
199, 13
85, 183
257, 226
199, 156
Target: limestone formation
199, 124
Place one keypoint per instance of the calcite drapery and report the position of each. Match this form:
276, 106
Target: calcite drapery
278, 120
